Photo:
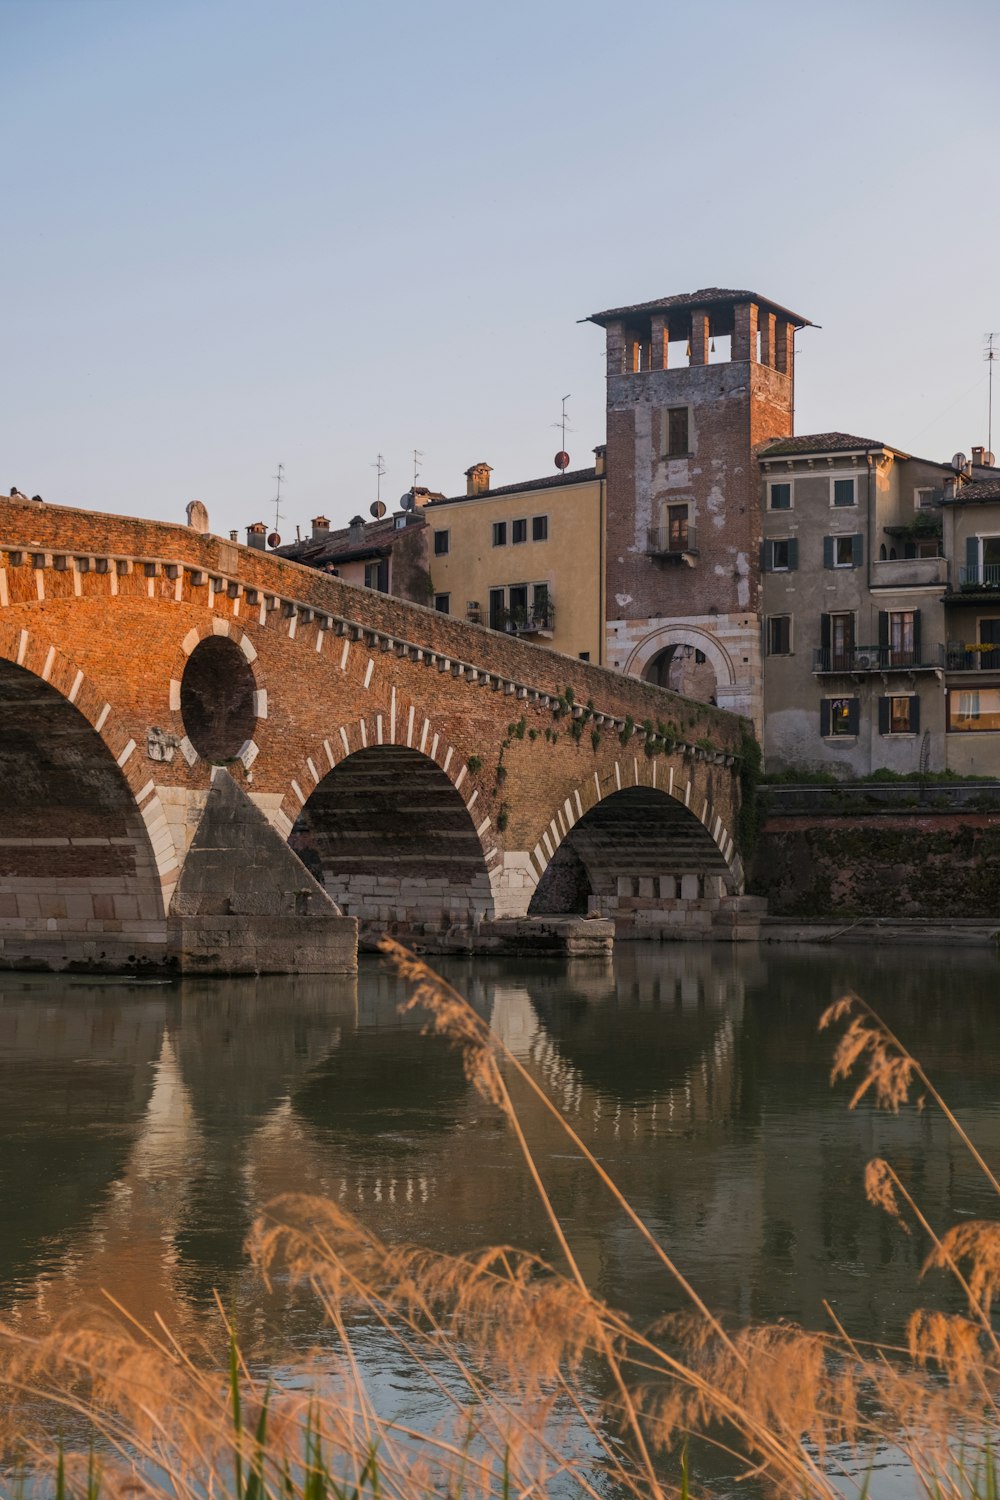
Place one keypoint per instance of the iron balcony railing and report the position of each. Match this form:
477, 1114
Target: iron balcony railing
961, 656
872, 659
979, 576
672, 541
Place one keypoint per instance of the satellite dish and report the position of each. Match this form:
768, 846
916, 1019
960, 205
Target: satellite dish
958, 462
377, 509
561, 460
274, 540
406, 502
989, 460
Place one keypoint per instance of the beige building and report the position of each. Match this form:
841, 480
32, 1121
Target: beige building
853, 615
525, 558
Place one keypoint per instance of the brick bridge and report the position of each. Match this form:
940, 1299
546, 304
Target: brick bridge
434, 776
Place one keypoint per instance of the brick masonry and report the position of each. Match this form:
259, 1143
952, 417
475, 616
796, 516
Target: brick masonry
99, 616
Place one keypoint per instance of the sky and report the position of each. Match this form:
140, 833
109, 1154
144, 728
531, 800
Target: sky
240, 233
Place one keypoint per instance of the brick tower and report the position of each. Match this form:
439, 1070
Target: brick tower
696, 383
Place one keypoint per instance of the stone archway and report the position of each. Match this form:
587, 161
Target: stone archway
679, 634
389, 835
79, 880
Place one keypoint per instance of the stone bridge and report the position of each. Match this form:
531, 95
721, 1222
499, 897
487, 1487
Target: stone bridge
434, 777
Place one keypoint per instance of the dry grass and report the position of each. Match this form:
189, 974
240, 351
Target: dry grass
540, 1388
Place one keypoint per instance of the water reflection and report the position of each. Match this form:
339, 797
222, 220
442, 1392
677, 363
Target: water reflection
144, 1126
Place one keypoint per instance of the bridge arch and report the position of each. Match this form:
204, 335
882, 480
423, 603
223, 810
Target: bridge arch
219, 636
87, 862
390, 835
650, 843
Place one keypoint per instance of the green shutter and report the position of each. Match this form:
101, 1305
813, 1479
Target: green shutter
765, 557
824, 716
828, 552
793, 553
917, 655
883, 628
858, 549
915, 715
854, 716
883, 716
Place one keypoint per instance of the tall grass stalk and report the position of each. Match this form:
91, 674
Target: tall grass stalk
540, 1388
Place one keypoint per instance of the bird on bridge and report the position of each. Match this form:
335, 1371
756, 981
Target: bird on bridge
15, 493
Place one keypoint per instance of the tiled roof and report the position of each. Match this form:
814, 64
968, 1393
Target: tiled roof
551, 481
710, 296
819, 442
378, 540
977, 493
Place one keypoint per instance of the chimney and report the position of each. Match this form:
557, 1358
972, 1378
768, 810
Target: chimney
601, 460
321, 528
978, 458
356, 530
477, 479
950, 487
257, 536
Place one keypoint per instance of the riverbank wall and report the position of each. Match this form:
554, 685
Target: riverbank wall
888, 851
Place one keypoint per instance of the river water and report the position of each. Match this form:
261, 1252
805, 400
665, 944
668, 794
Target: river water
142, 1126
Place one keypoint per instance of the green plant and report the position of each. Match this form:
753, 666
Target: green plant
628, 729
474, 764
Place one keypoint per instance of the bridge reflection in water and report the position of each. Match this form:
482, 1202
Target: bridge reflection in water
143, 1127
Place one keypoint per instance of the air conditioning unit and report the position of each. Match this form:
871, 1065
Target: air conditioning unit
864, 661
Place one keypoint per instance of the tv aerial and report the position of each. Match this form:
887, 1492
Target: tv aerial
561, 459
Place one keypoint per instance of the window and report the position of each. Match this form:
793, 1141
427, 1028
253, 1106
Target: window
901, 637
518, 608
499, 533
840, 718
584, 655
899, 715
844, 492
837, 642
779, 554
779, 635
678, 443
780, 497
974, 711
442, 603
843, 551
377, 575
498, 609
540, 607
441, 543
924, 497
519, 531
400, 523
539, 528
677, 528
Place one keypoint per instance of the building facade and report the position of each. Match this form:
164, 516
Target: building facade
525, 558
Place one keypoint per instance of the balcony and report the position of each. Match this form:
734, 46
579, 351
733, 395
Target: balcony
979, 576
679, 544
965, 656
904, 572
860, 659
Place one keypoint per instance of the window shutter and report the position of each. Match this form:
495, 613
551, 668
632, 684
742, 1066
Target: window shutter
765, 557
917, 657
971, 557
824, 632
915, 715
883, 628
793, 552
858, 549
853, 716
828, 552
824, 716
883, 716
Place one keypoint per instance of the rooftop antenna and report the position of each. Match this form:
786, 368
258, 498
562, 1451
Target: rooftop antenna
379, 467
562, 457
277, 494
991, 355
417, 456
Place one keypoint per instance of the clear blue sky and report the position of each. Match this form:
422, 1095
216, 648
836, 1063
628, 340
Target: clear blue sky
242, 231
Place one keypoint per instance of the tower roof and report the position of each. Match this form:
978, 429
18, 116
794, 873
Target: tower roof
707, 298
